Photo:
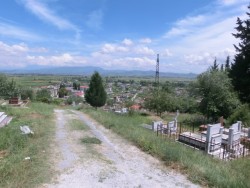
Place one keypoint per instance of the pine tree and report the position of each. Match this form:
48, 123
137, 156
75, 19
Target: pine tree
96, 95
215, 66
227, 63
240, 69
222, 67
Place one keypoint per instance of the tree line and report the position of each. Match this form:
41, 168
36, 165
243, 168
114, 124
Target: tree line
219, 91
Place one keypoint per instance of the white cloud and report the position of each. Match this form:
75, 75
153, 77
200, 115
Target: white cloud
191, 21
186, 26
13, 55
7, 50
175, 32
145, 40
232, 2
166, 53
197, 40
44, 13
127, 42
21, 55
113, 48
108, 48
17, 32
144, 50
65, 59
95, 19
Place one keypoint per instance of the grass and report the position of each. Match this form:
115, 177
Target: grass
76, 124
14, 170
37, 80
90, 140
199, 167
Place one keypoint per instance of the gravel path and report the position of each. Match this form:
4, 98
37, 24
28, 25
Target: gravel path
113, 163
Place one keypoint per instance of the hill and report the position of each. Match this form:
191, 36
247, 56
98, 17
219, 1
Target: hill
86, 71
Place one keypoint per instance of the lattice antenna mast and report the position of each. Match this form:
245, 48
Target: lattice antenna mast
157, 74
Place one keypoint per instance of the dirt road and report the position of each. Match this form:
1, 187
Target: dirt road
113, 163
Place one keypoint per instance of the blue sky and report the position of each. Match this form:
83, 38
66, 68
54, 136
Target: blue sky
118, 34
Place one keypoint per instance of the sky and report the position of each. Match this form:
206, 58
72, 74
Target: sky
119, 34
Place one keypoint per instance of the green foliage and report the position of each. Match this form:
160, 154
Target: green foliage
240, 69
227, 64
62, 92
43, 95
27, 93
57, 101
8, 88
195, 120
90, 140
76, 85
75, 99
217, 97
76, 124
96, 95
14, 170
165, 101
110, 102
241, 114
158, 102
215, 66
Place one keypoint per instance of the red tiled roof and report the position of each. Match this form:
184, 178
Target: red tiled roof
135, 107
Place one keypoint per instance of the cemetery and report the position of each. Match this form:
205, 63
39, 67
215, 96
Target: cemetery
213, 139
4, 119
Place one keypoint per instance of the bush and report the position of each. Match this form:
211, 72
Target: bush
75, 99
27, 93
57, 101
43, 95
196, 120
241, 114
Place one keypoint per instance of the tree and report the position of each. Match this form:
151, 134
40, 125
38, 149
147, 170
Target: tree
62, 91
159, 102
96, 95
27, 93
215, 66
43, 95
8, 88
76, 85
222, 67
216, 94
227, 64
3, 85
240, 69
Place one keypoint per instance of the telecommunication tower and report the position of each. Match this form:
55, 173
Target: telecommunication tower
157, 74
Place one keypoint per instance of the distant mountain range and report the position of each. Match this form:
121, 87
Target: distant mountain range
86, 71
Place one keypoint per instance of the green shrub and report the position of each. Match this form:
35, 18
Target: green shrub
241, 114
43, 95
27, 94
75, 99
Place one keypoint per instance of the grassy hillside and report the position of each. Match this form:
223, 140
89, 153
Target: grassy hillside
199, 167
15, 171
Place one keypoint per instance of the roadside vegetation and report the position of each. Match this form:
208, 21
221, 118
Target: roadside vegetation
24, 158
222, 90
199, 167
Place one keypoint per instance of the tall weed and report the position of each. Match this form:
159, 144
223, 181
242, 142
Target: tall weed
199, 167
15, 171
